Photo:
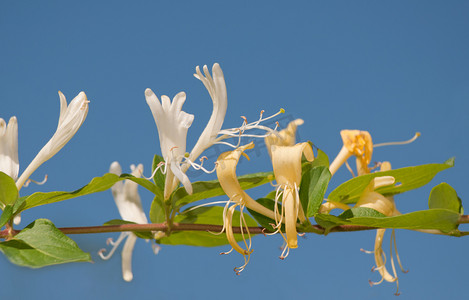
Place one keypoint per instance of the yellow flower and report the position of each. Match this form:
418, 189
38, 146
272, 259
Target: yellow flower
286, 161
356, 143
285, 137
226, 173
387, 207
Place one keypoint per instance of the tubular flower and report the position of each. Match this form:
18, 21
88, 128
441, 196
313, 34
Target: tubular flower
130, 208
216, 87
285, 137
9, 147
356, 143
70, 119
226, 173
387, 207
172, 124
286, 161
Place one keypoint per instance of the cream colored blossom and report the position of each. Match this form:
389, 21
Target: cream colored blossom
286, 161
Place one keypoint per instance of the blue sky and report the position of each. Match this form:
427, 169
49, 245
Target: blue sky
392, 68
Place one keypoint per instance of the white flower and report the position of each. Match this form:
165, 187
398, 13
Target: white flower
9, 147
130, 208
172, 124
70, 120
216, 87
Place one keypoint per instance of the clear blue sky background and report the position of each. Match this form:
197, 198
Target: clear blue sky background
392, 68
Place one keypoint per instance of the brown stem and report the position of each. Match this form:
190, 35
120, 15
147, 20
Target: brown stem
10, 232
464, 219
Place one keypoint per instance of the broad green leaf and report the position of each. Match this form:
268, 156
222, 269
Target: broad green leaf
312, 189
444, 196
439, 219
8, 190
141, 234
408, 178
159, 177
97, 184
42, 244
157, 212
208, 189
6, 215
264, 221
204, 215
356, 212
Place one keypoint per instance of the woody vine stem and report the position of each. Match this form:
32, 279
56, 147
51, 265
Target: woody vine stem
10, 232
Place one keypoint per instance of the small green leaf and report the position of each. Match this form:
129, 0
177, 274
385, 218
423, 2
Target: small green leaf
408, 178
6, 215
204, 215
312, 189
141, 234
444, 196
208, 189
157, 212
159, 177
361, 212
42, 244
8, 190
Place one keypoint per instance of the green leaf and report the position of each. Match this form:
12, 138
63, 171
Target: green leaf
321, 159
265, 221
159, 177
313, 188
444, 196
42, 244
204, 215
8, 190
439, 219
141, 234
144, 183
157, 212
208, 189
361, 212
408, 178
6, 215
97, 184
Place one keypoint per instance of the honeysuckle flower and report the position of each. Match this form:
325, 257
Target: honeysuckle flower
286, 161
285, 137
356, 143
226, 173
385, 205
9, 147
172, 124
70, 119
128, 203
216, 87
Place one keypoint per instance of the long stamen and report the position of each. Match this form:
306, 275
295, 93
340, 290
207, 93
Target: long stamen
397, 254
115, 244
26, 184
159, 166
393, 266
417, 134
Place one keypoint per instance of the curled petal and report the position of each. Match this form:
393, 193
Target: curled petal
285, 137
226, 173
286, 161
